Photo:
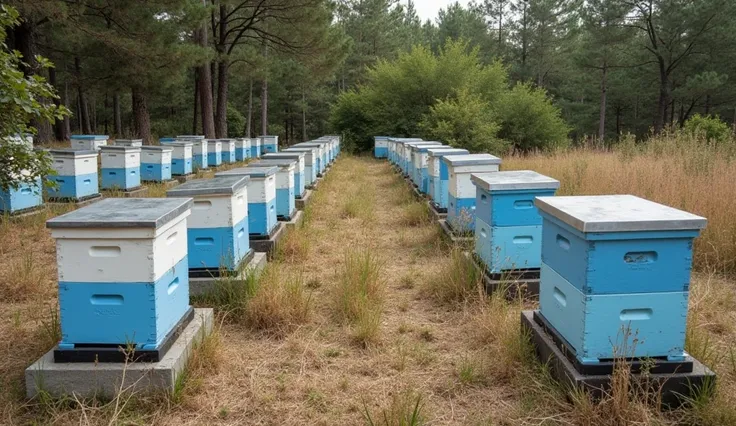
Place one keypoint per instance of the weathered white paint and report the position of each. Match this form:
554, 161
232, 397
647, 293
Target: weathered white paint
118, 159
156, 156
285, 177
199, 146
219, 211
71, 165
136, 255
460, 185
214, 147
182, 150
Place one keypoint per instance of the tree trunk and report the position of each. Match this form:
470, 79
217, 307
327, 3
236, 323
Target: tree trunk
117, 126
94, 116
67, 121
83, 110
107, 121
249, 118
602, 115
222, 89
142, 119
304, 116
205, 92
664, 99
195, 120
59, 125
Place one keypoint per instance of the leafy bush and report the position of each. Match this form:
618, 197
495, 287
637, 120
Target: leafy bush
235, 122
21, 101
529, 120
712, 128
466, 122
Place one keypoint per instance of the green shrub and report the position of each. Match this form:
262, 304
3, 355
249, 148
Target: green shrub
712, 128
530, 121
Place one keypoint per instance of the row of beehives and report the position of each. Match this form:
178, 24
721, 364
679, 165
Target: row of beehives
125, 264
615, 270
127, 164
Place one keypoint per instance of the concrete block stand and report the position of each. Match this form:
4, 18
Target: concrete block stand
302, 202
105, 380
268, 245
201, 286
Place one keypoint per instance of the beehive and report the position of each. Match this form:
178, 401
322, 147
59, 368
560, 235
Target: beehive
311, 156
88, 142
409, 147
156, 163
332, 142
217, 230
120, 167
76, 174
508, 227
461, 191
122, 268
181, 158
438, 180
242, 149
129, 142
261, 197
270, 144
255, 147
214, 152
285, 182
228, 151
300, 173
420, 156
615, 275
200, 153
322, 161
25, 196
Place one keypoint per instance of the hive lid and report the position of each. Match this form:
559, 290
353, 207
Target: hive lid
190, 137
617, 213
129, 141
514, 180
123, 213
166, 140
286, 162
156, 148
250, 171
471, 159
90, 137
442, 151
381, 138
426, 148
282, 154
222, 185
120, 148
71, 152
181, 143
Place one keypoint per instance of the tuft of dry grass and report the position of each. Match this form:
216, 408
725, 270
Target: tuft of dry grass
405, 409
416, 214
458, 280
279, 303
358, 295
294, 247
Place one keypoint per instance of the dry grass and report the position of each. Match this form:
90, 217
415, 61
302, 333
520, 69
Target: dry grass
416, 214
680, 172
273, 364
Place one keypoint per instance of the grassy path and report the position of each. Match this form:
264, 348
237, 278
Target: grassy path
365, 311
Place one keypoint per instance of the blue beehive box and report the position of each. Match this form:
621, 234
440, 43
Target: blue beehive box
460, 189
228, 151
122, 268
437, 175
23, 198
88, 142
76, 174
256, 145
156, 163
415, 166
322, 154
121, 167
214, 152
217, 230
615, 275
380, 146
508, 227
181, 158
262, 218
300, 172
421, 165
242, 149
270, 144
311, 157
285, 184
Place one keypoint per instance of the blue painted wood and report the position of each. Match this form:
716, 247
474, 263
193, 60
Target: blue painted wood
214, 159
636, 262
509, 247
155, 172
509, 208
461, 213
285, 201
262, 217
74, 187
199, 161
380, 152
113, 178
241, 154
610, 325
122, 313
218, 247
26, 196
181, 167
228, 156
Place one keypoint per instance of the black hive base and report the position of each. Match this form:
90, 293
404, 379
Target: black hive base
522, 283
675, 388
116, 353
